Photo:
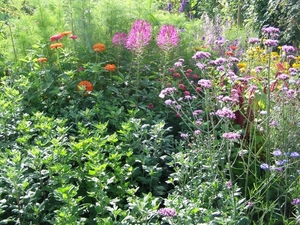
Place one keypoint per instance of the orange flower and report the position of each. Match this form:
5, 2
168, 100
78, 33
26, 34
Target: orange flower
41, 60
280, 67
99, 47
229, 53
56, 45
233, 47
110, 67
88, 86
66, 33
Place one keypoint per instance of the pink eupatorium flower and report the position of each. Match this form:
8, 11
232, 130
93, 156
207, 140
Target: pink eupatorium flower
139, 36
167, 37
119, 39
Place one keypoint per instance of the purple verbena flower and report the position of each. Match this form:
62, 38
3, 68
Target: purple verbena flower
264, 166
201, 55
273, 124
231, 136
228, 185
220, 61
296, 201
270, 42
197, 112
277, 152
167, 91
225, 112
283, 76
258, 69
271, 32
204, 83
167, 212
294, 155
168, 102
184, 135
198, 122
220, 68
197, 132
233, 59
291, 93
227, 99
167, 37
293, 70
139, 36
201, 66
288, 48
253, 40
281, 162
221, 41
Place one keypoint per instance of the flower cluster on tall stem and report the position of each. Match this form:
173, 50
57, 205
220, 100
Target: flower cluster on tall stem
139, 36
119, 39
167, 37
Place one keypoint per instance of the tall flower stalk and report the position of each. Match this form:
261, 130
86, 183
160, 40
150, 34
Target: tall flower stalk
119, 40
138, 38
167, 40
269, 32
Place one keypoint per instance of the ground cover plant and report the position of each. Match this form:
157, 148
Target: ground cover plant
132, 113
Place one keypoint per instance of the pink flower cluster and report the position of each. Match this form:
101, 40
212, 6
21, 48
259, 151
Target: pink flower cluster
139, 36
56, 37
231, 136
167, 37
225, 112
204, 83
167, 212
119, 39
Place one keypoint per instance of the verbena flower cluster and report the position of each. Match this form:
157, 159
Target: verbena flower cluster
167, 212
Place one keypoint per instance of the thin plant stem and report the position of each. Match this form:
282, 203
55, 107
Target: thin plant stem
12, 42
268, 140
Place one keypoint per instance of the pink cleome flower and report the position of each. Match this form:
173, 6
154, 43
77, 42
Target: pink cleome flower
139, 36
167, 37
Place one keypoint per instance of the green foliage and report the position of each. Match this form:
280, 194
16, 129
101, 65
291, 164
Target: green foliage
280, 13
